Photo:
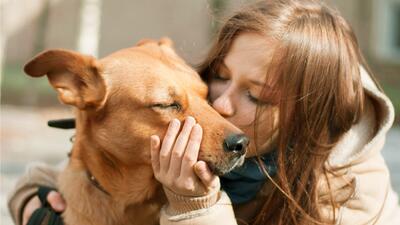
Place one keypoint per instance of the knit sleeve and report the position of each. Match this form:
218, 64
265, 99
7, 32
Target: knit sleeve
214, 208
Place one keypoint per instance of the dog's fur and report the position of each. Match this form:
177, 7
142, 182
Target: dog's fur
122, 100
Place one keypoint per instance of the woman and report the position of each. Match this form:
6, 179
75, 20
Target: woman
290, 74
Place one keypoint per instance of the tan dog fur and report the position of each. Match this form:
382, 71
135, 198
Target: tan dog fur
122, 100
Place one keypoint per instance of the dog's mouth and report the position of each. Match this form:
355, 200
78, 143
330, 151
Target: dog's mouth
229, 163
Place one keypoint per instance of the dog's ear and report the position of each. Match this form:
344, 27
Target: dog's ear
167, 45
76, 77
166, 42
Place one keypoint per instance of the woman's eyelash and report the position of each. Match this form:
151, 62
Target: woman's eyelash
254, 99
248, 94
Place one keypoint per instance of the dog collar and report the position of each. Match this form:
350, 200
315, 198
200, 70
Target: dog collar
95, 183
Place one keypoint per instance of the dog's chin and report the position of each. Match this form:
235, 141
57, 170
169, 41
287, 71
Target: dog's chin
221, 168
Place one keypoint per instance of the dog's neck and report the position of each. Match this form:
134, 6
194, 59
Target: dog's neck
113, 177
131, 200
87, 205
90, 176
133, 191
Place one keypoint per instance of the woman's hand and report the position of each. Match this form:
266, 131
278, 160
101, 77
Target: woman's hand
175, 165
55, 200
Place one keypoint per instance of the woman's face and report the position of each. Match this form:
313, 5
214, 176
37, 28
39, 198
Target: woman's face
235, 91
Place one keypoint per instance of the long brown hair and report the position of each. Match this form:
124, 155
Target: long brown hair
316, 65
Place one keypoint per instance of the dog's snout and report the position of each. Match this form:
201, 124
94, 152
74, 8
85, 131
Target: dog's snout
236, 143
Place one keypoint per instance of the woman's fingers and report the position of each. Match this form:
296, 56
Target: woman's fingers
180, 146
155, 153
168, 142
209, 180
175, 164
56, 201
192, 151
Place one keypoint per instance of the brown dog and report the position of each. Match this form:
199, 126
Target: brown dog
121, 101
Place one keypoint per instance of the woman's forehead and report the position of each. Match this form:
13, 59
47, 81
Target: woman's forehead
249, 54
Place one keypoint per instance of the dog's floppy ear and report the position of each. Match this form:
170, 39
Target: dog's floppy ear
76, 77
167, 45
166, 41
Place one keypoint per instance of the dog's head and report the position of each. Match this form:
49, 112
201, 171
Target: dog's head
130, 95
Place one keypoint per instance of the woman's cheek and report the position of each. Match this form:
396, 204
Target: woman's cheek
246, 110
268, 122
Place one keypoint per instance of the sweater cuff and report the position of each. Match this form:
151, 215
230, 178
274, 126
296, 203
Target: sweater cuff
179, 204
22, 197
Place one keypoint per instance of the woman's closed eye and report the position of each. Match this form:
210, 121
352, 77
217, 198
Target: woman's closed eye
222, 78
255, 100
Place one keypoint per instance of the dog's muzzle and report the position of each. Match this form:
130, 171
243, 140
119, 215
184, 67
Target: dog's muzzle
234, 146
236, 143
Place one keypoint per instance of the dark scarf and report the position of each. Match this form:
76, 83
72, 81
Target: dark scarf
242, 184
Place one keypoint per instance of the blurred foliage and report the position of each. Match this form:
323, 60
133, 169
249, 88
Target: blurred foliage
21, 89
218, 8
393, 92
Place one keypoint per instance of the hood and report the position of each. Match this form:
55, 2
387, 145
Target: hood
368, 135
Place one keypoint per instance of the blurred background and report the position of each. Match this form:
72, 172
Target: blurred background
99, 27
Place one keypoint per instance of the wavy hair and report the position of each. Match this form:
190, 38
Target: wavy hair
316, 69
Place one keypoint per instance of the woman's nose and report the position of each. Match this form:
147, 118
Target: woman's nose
223, 105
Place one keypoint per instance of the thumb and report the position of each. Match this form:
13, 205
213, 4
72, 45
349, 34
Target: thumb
56, 201
209, 180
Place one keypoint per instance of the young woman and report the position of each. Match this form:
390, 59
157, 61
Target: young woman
290, 74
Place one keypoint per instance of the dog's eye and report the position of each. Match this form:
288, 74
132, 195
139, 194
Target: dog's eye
174, 105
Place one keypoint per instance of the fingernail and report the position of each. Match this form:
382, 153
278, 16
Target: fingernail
197, 127
190, 118
175, 123
59, 206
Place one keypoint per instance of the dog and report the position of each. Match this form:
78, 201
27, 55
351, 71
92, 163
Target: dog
121, 100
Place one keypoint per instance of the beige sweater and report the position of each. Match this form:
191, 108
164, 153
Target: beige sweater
372, 202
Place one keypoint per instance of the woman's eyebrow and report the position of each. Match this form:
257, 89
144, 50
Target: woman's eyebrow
255, 82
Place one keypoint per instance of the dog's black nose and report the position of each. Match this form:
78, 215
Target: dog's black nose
236, 143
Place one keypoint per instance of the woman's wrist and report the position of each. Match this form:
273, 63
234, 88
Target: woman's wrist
179, 204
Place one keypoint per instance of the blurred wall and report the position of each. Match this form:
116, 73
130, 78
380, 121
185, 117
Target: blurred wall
123, 23
185, 22
374, 22
39, 24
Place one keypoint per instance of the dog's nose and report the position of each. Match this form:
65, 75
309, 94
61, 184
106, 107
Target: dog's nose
236, 143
